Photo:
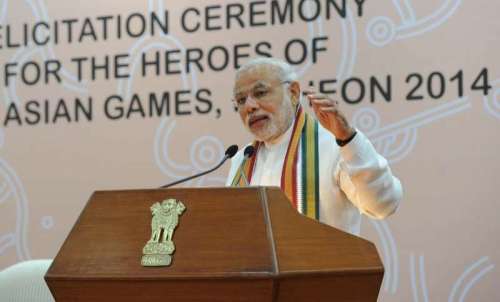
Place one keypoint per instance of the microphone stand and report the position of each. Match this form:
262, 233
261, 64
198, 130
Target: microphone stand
196, 175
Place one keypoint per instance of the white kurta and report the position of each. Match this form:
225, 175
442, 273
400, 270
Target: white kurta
354, 179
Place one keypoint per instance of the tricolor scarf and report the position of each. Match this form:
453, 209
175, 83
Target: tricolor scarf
304, 192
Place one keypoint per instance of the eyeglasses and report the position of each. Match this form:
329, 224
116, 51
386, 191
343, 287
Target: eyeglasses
258, 93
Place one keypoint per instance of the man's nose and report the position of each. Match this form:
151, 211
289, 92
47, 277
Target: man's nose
251, 104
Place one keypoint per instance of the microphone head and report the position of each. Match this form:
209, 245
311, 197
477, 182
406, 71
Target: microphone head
231, 151
249, 150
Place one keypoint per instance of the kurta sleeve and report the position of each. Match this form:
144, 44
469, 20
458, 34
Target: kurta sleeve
366, 178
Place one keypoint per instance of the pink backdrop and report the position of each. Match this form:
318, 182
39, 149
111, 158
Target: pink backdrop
441, 245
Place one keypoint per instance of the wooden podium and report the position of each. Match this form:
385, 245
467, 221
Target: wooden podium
232, 244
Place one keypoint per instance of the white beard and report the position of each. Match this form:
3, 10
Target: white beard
276, 125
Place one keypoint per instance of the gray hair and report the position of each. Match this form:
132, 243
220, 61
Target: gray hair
285, 71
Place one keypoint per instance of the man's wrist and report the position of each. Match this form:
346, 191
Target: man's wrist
343, 142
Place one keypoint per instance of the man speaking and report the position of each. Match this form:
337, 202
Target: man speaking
328, 170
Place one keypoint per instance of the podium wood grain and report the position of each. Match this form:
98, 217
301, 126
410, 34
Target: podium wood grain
232, 244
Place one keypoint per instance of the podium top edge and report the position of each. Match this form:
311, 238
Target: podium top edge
184, 188
221, 276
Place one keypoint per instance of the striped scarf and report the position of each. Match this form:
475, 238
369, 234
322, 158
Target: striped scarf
303, 192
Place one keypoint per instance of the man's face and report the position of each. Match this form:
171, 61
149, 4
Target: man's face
267, 111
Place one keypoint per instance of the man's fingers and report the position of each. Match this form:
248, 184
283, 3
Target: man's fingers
309, 90
329, 109
315, 96
325, 110
323, 102
319, 100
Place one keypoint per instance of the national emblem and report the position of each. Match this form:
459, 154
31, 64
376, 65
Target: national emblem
160, 246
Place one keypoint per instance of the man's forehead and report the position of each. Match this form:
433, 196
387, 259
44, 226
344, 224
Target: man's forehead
262, 75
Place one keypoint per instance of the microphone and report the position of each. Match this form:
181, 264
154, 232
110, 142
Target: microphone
247, 153
230, 152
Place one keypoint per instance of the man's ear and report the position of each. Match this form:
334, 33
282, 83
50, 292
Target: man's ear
294, 89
